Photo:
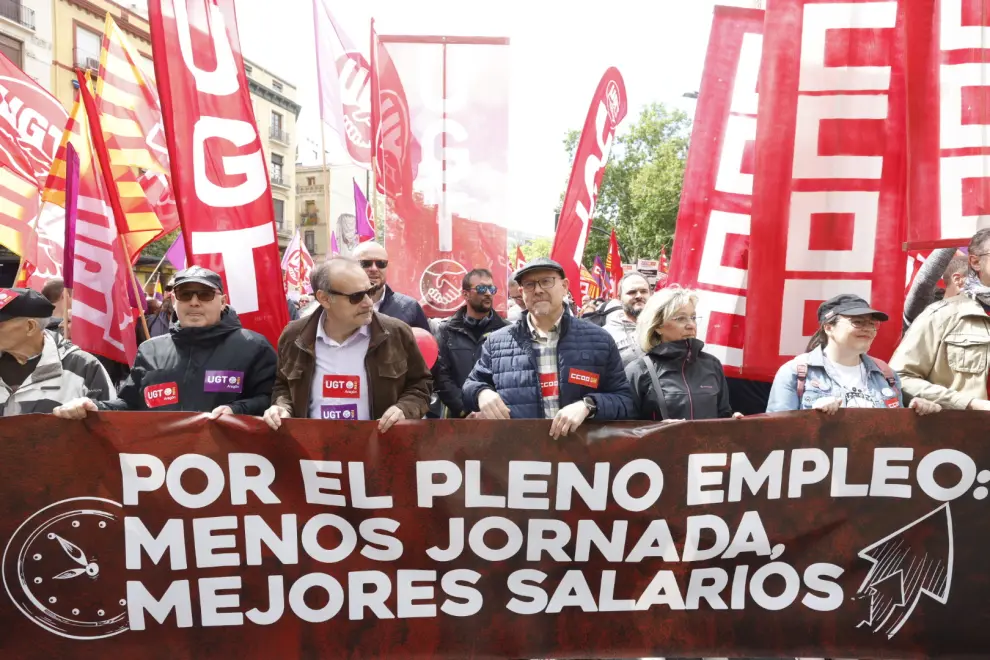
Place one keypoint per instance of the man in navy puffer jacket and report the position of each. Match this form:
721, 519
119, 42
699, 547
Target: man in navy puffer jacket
548, 364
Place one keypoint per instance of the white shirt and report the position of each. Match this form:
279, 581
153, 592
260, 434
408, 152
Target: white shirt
854, 389
340, 379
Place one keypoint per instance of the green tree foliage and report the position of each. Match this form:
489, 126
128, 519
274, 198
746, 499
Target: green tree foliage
538, 247
641, 189
158, 248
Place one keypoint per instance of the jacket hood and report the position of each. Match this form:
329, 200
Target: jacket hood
685, 349
619, 321
229, 324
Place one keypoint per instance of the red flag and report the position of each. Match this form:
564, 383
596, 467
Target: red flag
520, 259
613, 263
219, 175
711, 245
297, 266
608, 107
663, 266
31, 125
829, 201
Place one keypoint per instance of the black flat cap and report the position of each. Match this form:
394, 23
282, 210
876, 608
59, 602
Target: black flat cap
847, 304
199, 275
539, 263
24, 303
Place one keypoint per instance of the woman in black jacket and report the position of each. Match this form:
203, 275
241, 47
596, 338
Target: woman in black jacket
675, 380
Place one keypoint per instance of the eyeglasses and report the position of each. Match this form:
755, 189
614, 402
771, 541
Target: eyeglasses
482, 289
684, 320
204, 295
862, 323
381, 264
353, 298
545, 283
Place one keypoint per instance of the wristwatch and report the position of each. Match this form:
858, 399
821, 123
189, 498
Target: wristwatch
592, 407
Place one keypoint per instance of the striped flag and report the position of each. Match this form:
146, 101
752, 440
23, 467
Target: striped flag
130, 118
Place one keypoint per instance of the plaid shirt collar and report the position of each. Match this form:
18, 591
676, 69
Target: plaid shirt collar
538, 334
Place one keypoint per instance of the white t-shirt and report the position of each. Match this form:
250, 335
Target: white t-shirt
340, 379
854, 389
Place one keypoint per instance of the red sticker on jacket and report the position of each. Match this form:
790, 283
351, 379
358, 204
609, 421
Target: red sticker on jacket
585, 378
6, 297
163, 394
893, 402
548, 385
341, 387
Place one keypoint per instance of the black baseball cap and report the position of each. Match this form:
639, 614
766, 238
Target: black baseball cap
847, 304
539, 263
199, 275
24, 303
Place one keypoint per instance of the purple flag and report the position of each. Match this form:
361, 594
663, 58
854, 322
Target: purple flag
334, 250
71, 208
176, 253
137, 304
362, 217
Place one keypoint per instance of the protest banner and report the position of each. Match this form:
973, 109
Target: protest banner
858, 535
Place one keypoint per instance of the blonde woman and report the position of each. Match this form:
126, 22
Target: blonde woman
675, 380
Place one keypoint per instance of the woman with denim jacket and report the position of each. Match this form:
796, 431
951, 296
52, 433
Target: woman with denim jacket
836, 372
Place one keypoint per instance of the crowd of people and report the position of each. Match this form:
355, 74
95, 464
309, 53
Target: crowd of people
351, 353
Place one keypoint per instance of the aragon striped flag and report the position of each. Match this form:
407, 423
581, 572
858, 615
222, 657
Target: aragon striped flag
130, 118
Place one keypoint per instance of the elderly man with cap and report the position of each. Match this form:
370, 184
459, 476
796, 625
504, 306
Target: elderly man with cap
374, 260
207, 362
549, 364
39, 370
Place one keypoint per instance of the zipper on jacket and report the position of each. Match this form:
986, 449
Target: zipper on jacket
684, 377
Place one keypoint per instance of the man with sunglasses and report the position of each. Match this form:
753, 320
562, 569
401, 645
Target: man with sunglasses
945, 355
345, 362
374, 260
462, 336
549, 364
207, 362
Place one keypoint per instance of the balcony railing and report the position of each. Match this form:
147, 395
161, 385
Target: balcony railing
15, 11
277, 180
310, 190
277, 134
86, 59
309, 219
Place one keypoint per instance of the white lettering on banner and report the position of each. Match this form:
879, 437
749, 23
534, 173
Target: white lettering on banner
96, 269
953, 78
811, 110
956, 36
726, 303
793, 341
236, 247
819, 20
222, 81
251, 166
862, 205
801, 257
953, 170
738, 131
745, 100
711, 270
32, 127
592, 166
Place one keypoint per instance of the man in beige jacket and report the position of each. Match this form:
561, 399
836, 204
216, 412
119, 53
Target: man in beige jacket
945, 355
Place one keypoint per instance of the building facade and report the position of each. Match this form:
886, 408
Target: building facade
77, 36
311, 200
26, 37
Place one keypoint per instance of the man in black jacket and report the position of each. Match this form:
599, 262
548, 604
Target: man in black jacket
207, 362
374, 260
462, 337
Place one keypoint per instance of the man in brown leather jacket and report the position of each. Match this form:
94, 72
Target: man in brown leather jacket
345, 361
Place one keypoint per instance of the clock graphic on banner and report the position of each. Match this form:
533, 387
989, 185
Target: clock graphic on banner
64, 568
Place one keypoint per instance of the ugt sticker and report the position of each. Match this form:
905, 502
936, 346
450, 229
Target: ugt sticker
163, 394
345, 413
224, 381
548, 385
341, 387
6, 296
585, 378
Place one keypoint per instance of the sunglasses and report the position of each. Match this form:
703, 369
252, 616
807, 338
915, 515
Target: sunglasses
353, 298
482, 289
204, 295
382, 264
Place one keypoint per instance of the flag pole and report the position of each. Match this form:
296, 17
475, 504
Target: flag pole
96, 134
326, 185
375, 100
323, 139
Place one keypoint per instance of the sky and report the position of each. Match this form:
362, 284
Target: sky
559, 51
